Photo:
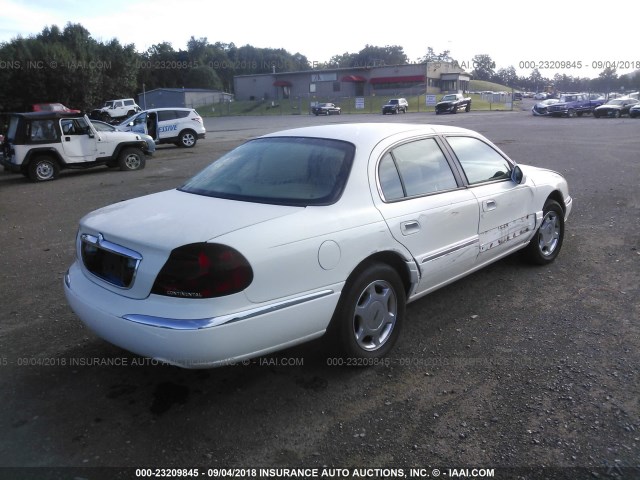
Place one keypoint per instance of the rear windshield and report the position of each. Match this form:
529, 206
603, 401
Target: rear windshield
297, 171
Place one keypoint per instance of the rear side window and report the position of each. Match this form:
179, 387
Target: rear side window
182, 113
296, 171
165, 115
480, 162
415, 169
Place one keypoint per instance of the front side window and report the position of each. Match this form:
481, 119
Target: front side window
296, 171
414, 169
73, 126
480, 162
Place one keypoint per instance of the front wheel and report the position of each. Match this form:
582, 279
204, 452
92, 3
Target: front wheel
131, 159
547, 241
571, 113
370, 312
187, 139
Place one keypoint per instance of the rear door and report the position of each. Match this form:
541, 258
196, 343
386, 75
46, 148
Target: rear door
167, 124
428, 210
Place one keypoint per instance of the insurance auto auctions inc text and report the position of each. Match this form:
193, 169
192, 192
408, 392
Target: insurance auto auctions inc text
349, 473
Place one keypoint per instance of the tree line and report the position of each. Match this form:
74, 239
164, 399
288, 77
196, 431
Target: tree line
71, 67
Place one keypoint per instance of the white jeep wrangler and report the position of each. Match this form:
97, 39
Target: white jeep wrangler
115, 109
40, 144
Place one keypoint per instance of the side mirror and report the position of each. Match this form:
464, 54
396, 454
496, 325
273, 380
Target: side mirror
517, 175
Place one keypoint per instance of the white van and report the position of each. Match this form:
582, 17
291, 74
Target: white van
182, 126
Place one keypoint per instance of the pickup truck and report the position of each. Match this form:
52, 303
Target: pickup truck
572, 105
452, 103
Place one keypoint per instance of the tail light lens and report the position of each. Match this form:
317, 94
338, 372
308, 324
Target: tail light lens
203, 270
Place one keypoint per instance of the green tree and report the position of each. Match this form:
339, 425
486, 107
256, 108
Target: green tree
432, 56
483, 67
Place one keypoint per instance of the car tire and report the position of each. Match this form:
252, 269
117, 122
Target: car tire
187, 139
42, 169
596, 114
616, 114
547, 241
467, 108
571, 113
370, 313
131, 159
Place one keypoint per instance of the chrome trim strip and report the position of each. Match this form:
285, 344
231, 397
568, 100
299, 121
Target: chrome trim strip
101, 243
202, 323
449, 250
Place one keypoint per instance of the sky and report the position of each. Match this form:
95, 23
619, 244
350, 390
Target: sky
566, 37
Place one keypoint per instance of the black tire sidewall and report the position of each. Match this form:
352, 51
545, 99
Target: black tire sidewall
123, 156
33, 167
533, 249
342, 321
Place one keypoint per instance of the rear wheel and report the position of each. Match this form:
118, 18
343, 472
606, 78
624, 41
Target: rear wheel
571, 113
187, 139
370, 312
547, 241
42, 169
131, 159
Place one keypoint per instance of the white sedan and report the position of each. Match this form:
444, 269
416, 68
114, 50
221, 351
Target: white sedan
328, 229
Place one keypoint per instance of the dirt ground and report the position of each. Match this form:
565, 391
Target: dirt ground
529, 372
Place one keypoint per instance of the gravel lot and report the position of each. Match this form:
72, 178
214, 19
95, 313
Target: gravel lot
514, 368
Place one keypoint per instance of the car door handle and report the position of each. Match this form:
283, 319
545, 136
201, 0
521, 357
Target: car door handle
410, 227
489, 205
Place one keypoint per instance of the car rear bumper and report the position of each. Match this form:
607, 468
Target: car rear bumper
201, 342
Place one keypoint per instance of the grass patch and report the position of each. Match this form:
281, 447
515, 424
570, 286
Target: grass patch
372, 104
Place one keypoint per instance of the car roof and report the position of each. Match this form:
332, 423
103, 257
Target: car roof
167, 108
48, 115
353, 132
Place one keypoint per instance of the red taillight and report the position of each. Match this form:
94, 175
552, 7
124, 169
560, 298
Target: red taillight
203, 270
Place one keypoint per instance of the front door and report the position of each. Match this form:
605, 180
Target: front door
76, 141
506, 208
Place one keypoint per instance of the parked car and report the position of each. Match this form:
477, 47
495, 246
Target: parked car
52, 107
540, 96
40, 144
615, 108
181, 126
634, 111
325, 109
452, 103
395, 105
101, 126
113, 110
306, 232
542, 108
